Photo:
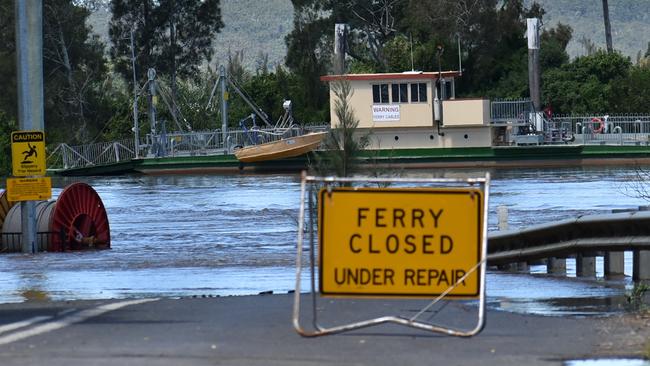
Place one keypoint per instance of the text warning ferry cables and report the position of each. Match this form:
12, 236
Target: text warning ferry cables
399, 242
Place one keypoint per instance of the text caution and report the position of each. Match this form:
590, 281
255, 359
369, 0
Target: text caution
28, 153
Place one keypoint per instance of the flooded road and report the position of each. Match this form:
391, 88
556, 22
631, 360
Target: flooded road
215, 235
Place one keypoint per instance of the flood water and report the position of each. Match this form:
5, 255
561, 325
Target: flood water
216, 235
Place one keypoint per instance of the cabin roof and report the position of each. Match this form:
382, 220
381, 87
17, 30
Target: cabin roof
409, 75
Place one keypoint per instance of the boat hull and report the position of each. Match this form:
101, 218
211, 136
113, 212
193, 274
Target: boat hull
281, 149
480, 158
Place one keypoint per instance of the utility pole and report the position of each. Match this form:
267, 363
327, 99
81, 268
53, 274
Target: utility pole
437, 101
224, 107
29, 65
608, 27
136, 125
155, 146
533, 71
533, 63
340, 47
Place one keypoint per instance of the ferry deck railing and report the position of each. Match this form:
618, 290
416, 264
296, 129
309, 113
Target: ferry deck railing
614, 129
65, 156
513, 111
585, 129
211, 142
172, 144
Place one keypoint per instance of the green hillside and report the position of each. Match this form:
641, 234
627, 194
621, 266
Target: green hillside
630, 20
252, 26
258, 27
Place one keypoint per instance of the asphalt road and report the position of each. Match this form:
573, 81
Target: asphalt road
257, 330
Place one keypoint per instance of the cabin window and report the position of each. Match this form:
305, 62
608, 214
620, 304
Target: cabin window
380, 93
419, 92
400, 93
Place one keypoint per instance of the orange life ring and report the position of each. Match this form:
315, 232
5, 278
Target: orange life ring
601, 125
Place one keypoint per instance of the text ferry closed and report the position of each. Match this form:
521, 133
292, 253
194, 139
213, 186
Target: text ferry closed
399, 242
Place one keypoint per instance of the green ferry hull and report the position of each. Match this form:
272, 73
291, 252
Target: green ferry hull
477, 157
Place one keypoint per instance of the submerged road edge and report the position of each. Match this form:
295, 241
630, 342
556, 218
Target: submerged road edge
68, 320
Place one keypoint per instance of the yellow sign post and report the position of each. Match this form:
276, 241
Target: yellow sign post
400, 242
29, 189
28, 153
424, 239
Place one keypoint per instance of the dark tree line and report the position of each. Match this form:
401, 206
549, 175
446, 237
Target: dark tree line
171, 36
73, 68
492, 48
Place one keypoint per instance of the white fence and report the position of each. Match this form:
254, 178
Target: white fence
171, 144
103, 153
616, 129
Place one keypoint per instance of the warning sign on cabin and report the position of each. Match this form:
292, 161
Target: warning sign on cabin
399, 242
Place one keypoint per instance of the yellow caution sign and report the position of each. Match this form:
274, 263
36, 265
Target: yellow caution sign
28, 153
400, 242
29, 189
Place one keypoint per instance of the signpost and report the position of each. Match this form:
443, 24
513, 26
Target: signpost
399, 242
29, 80
28, 164
425, 239
28, 153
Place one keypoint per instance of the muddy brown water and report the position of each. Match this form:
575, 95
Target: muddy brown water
216, 235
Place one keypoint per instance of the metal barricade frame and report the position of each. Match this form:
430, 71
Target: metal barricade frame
411, 322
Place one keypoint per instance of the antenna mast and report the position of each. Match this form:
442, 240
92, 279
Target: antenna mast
411, 36
460, 59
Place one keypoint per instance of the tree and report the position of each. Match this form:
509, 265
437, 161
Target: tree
341, 146
172, 36
554, 42
308, 53
586, 85
73, 70
8, 60
75, 63
632, 95
7, 126
493, 49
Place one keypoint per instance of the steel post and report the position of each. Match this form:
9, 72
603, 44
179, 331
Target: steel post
340, 48
533, 63
136, 124
556, 265
614, 263
641, 265
29, 65
224, 107
154, 149
585, 266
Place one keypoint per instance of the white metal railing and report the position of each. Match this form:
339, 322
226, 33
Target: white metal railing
515, 110
171, 144
587, 129
103, 153
617, 129
211, 142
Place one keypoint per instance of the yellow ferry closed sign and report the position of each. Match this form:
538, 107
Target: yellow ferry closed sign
28, 153
400, 241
